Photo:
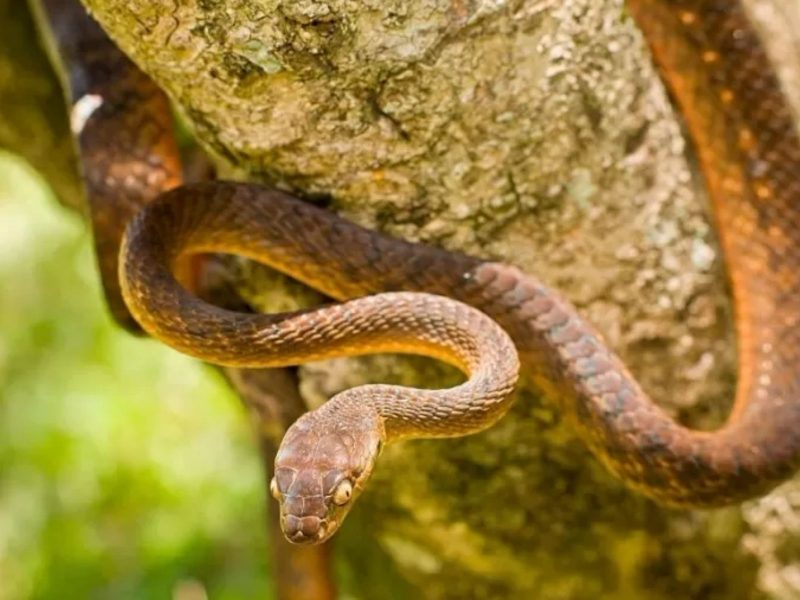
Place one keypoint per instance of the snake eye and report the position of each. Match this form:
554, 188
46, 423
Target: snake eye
273, 489
343, 492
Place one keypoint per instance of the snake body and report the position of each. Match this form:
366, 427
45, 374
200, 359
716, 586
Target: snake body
749, 151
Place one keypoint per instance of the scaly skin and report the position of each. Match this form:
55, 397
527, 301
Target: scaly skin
749, 151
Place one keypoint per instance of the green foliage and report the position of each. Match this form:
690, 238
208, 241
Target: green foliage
126, 470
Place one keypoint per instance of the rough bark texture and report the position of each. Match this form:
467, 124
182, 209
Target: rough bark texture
534, 132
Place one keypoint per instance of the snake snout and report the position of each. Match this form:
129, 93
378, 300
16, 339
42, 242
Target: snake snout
305, 517
304, 530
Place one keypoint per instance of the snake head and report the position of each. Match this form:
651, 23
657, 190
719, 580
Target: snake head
321, 467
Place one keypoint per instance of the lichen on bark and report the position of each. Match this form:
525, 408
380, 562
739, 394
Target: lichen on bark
534, 132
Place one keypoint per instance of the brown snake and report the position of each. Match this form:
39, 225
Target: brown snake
749, 152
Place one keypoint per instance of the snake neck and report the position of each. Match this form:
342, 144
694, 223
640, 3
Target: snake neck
419, 413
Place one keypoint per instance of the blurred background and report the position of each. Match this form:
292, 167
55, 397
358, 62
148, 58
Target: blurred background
126, 469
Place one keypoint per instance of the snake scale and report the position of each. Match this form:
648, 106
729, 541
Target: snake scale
404, 297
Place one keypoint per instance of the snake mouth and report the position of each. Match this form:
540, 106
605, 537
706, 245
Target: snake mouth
306, 530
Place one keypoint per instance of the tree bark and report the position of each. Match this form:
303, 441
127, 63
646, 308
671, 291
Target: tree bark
534, 132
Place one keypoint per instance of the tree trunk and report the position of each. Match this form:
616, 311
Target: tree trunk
534, 132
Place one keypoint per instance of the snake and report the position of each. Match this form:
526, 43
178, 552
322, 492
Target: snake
484, 317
